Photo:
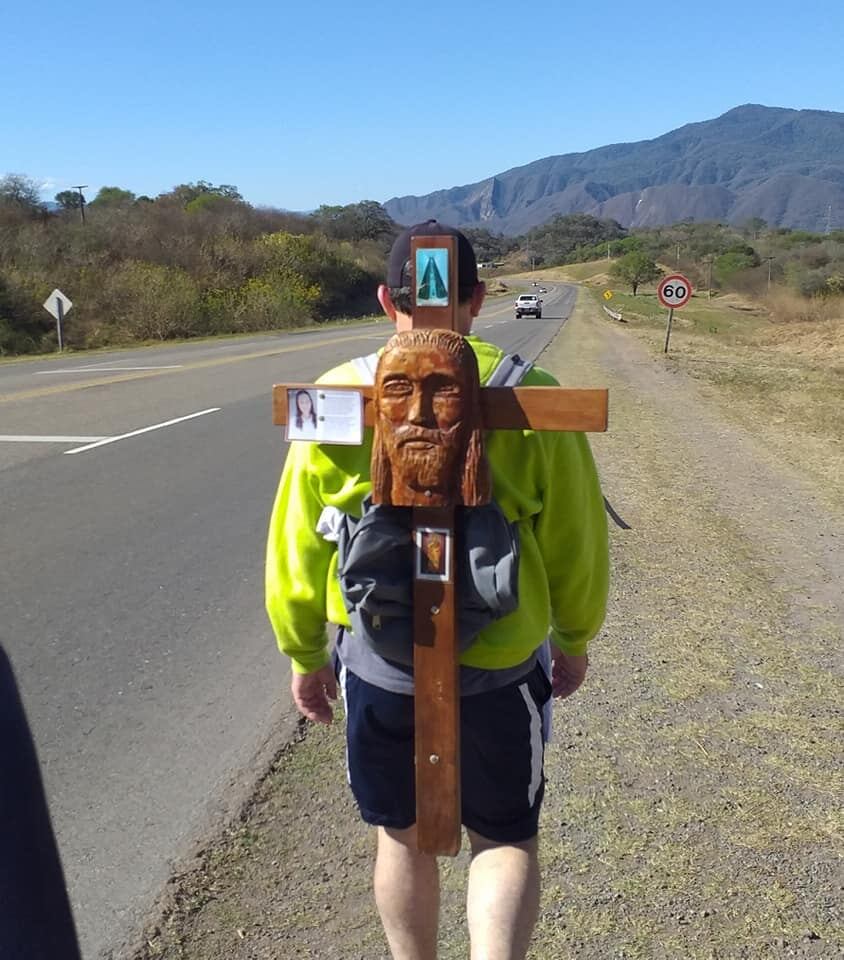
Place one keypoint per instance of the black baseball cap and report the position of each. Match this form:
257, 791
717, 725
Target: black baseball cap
398, 266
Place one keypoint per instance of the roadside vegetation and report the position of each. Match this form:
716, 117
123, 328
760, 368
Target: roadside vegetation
198, 260
751, 258
195, 261
774, 361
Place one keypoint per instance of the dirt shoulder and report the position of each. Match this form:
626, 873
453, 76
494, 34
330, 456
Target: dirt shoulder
694, 783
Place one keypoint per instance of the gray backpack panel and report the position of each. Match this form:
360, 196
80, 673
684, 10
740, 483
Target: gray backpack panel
375, 568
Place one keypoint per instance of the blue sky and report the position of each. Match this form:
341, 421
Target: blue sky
329, 102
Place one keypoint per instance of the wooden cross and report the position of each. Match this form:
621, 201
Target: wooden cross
435, 634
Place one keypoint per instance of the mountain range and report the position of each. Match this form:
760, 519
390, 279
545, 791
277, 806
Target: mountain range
784, 166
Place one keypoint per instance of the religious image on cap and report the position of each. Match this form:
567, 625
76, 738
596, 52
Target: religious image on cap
432, 277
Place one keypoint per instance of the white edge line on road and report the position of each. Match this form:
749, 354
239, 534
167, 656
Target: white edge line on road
103, 369
9, 438
135, 433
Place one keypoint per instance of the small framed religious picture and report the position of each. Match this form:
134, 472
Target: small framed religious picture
432, 277
324, 415
433, 554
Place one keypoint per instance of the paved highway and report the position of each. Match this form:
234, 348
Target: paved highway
136, 487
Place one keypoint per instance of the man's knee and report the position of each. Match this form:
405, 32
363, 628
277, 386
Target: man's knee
480, 844
400, 844
405, 837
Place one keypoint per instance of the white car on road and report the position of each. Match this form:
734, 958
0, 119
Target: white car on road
528, 303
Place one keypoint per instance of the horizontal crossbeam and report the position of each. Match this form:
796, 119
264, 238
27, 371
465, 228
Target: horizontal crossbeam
504, 408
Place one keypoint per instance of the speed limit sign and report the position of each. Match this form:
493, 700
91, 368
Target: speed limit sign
674, 291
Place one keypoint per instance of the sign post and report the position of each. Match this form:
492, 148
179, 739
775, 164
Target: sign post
58, 305
673, 291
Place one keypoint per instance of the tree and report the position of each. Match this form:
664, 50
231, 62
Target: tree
366, 220
113, 197
68, 199
635, 268
21, 191
488, 246
184, 193
555, 241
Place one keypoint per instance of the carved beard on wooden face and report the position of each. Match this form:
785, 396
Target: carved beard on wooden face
426, 399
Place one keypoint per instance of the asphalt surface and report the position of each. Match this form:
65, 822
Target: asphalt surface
136, 487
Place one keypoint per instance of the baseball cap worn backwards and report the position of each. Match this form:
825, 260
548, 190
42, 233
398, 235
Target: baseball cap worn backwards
398, 267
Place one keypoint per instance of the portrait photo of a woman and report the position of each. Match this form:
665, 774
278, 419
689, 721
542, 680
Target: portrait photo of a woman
301, 418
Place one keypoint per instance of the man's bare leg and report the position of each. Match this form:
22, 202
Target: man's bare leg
407, 893
503, 898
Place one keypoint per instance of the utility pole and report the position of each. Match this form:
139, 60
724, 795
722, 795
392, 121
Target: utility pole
80, 188
769, 259
608, 251
678, 254
708, 262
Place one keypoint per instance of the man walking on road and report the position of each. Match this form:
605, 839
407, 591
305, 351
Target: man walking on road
547, 487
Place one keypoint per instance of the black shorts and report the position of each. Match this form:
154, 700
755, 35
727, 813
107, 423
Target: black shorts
502, 749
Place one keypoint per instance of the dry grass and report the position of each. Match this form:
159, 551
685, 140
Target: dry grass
783, 378
783, 306
498, 288
591, 274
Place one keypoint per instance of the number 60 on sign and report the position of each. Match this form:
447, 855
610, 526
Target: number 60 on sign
674, 290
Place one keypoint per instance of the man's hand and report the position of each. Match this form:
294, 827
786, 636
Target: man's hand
312, 691
568, 671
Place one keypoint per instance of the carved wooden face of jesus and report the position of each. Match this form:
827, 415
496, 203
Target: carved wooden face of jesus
428, 440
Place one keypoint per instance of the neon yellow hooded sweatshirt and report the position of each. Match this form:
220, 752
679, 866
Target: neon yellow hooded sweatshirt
545, 481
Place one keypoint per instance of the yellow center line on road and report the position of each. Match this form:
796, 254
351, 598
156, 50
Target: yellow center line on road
39, 392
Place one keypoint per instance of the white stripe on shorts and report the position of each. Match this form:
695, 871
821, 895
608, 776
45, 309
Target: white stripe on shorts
342, 679
535, 743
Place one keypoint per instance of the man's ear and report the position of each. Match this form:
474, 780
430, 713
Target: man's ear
386, 301
478, 296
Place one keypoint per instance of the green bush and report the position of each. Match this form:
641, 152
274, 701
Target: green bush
282, 298
735, 260
152, 302
25, 326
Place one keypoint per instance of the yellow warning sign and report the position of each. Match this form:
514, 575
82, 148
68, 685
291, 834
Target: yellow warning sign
607, 294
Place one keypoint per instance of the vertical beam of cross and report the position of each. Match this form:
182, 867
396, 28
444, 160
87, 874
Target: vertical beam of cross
437, 685
436, 668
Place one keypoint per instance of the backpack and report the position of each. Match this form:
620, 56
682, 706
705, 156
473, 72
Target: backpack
375, 556
375, 566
